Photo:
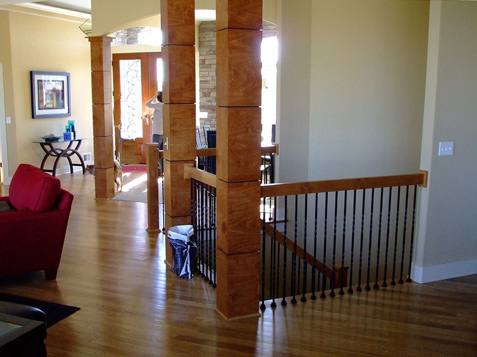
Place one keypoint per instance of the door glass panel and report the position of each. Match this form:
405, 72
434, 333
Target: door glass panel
159, 73
131, 98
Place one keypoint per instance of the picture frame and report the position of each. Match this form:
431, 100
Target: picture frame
50, 94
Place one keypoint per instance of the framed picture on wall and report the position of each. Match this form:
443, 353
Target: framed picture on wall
50, 94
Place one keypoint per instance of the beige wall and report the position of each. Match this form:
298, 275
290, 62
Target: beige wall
351, 88
45, 44
447, 244
367, 87
293, 92
112, 15
6, 60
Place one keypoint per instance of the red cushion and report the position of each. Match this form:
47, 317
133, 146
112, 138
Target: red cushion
33, 190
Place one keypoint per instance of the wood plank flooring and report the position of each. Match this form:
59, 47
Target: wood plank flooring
131, 305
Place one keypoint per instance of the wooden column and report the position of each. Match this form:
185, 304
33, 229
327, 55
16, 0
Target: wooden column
178, 55
102, 116
239, 36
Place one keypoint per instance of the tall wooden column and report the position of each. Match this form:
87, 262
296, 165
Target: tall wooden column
178, 54
102, 116
239, 36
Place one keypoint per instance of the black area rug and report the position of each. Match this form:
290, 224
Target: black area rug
54, 312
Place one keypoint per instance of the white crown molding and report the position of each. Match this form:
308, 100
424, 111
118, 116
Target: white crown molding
55, 10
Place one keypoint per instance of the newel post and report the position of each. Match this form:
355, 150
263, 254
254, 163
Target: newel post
239, 35
178, 54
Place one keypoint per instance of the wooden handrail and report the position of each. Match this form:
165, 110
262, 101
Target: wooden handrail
200, 175
206, 152
270, 149
340, 273
300, 188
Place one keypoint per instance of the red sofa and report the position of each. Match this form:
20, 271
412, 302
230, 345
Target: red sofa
33, 221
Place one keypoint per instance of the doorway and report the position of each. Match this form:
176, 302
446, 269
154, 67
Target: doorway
136, 77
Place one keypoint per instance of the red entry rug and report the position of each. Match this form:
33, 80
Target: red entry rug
134, 168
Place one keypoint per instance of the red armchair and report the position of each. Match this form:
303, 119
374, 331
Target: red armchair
33, 221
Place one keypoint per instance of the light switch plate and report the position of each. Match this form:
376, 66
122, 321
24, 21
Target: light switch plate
446, 148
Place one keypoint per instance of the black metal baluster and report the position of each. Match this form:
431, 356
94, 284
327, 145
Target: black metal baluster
197, 231
163, 207
200, 240
333, 261
385, 284
305, 265
353, 231
294, 262
409, 280
272, 268
193, 208
393, 282
204, 230
401, 281
272, 168
325, 233
209, 230
214, 234
370, 240
315, 239
319, 282
270, 204
376, 285
192, 183
298, 280
277, 263
343, 243
359, 289
285, 252
264, 237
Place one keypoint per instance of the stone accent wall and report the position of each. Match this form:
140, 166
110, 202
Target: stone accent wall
207, 70
207, 74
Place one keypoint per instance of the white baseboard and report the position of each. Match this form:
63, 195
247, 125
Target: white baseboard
443, 271
7, 180
65, 170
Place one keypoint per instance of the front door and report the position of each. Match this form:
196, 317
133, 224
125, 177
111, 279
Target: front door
136, 78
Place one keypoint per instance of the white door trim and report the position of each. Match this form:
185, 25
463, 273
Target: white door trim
5, 179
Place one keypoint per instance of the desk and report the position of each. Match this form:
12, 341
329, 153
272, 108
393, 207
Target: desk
52, 150
21, 337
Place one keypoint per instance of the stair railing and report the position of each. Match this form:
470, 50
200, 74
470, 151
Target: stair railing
320, 237
326, 235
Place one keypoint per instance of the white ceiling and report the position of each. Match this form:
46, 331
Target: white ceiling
84, 6
75, 5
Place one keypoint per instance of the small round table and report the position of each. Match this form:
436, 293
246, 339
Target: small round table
51, 150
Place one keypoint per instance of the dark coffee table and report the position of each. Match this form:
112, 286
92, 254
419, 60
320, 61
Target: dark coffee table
21, 337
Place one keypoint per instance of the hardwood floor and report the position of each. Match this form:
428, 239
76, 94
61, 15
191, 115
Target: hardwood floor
131, 305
